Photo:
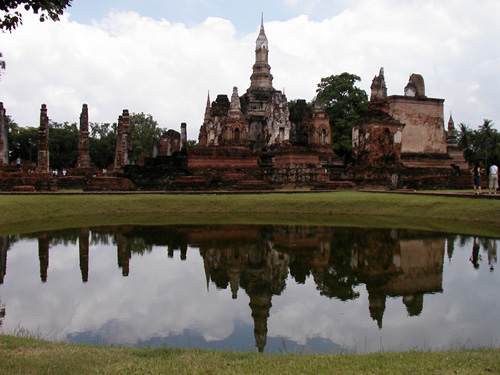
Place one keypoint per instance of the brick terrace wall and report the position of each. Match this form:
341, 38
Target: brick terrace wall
221, 157
39, 181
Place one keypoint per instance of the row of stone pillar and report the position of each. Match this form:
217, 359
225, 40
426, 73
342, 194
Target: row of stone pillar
122, 143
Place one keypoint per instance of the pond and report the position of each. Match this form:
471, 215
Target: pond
271, 288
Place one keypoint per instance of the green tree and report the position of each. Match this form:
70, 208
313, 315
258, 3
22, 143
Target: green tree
144, 131
344, 104
63, 145
46, 9
481, 145
102, 144
23, 141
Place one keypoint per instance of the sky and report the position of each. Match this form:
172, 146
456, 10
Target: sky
163, 57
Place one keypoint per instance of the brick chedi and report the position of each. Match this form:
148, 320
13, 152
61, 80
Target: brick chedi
260, 118
4, 144
43, 142
83, 139
265, 108
457, 155
377, 136
122, 142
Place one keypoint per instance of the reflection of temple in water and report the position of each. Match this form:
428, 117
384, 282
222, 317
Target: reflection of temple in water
398, 263
260, 259
43, 254
4, 246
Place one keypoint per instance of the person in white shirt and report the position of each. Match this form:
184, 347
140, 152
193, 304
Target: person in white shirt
493, 181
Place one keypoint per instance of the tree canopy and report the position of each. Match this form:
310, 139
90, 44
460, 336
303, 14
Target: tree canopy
344, 104
144, 132
46, 9
481, 145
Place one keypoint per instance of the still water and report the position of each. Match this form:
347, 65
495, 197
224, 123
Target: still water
248, 288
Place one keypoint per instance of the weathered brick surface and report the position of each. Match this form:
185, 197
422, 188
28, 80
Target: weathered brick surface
43, 142
39, 181
424, 123
83, 139
4, 144
101, 183
221, 157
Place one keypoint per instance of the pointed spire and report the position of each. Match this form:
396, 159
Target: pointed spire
261, 77
261, 42
451, 123
207, 109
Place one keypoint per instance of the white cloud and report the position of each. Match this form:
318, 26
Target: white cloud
155, 66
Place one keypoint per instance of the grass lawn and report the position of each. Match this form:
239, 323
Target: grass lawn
30, 356
24, 213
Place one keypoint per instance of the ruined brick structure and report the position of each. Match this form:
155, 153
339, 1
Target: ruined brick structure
423, 118
4, 144
83, 139
454, 151
123, 146
43, 142
402, 139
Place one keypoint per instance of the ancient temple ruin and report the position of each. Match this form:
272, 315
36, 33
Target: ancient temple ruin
402, 139
260, 141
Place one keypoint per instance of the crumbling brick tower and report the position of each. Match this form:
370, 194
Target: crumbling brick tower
4, 144
122, 142
83, 139
43, 142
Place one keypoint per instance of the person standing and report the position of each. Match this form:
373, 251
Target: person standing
493, 180
477, 178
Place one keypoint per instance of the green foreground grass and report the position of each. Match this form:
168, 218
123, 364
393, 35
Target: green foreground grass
30, 356
25, 213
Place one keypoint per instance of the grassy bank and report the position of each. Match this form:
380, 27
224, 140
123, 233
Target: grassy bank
23, 213
29, 356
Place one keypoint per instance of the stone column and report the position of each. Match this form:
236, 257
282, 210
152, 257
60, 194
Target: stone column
83, 139
183, 136
4, 143
122, 141
43, 142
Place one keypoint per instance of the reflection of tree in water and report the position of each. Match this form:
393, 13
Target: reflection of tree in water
338, 280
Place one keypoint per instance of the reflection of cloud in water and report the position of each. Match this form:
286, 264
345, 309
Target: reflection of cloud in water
165, 297
146, 303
